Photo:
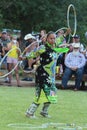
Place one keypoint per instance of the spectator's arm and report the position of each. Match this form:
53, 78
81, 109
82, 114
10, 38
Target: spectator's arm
36, 53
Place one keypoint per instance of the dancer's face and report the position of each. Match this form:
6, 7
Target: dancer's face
51, 39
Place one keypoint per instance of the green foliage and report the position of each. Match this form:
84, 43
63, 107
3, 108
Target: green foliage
34, 15
1, 21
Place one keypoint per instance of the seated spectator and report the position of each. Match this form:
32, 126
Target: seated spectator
29, 67
30, 39
76, 39
85, 71
74, 62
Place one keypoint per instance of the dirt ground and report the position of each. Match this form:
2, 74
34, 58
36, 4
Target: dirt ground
32, 83
14, 83
23, 83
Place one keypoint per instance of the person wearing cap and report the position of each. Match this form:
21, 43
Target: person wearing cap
5, 41
74, 62
28, 63
76, 39
29, 38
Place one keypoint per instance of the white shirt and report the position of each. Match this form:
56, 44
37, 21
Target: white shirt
72, 60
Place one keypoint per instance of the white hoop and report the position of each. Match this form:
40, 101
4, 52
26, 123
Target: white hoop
63, 28
25, 71
68, 23
59, 126
75, 25
2, 76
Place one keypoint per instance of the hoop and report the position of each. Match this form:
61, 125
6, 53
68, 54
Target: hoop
63, 28
2, 76
75, 21
68, 23
52, 125
25, 71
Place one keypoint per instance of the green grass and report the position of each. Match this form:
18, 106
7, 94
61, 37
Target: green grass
71, 108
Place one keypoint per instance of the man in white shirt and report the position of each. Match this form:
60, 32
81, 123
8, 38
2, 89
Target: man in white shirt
74, 62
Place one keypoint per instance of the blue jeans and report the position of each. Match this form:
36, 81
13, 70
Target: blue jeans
67, 75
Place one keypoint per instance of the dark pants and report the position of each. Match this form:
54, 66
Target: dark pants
67, 75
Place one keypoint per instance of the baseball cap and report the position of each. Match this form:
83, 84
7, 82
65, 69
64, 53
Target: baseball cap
76, 36
4, 32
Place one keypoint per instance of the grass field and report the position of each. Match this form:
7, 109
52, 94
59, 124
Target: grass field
70, 113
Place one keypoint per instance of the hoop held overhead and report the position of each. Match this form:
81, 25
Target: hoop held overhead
75, 20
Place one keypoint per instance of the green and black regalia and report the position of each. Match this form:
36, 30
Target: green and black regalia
46, 90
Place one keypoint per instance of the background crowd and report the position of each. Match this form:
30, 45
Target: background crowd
71, 63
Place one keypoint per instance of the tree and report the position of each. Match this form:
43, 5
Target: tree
34, 15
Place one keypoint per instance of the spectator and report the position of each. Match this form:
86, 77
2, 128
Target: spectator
61, 38
12, 59
85, 71
30, 39
28, 63
42, 33
1, 50
61, 42
74, 62
76, 39
4, 41
43, 40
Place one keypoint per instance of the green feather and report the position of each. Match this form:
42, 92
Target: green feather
61, 50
